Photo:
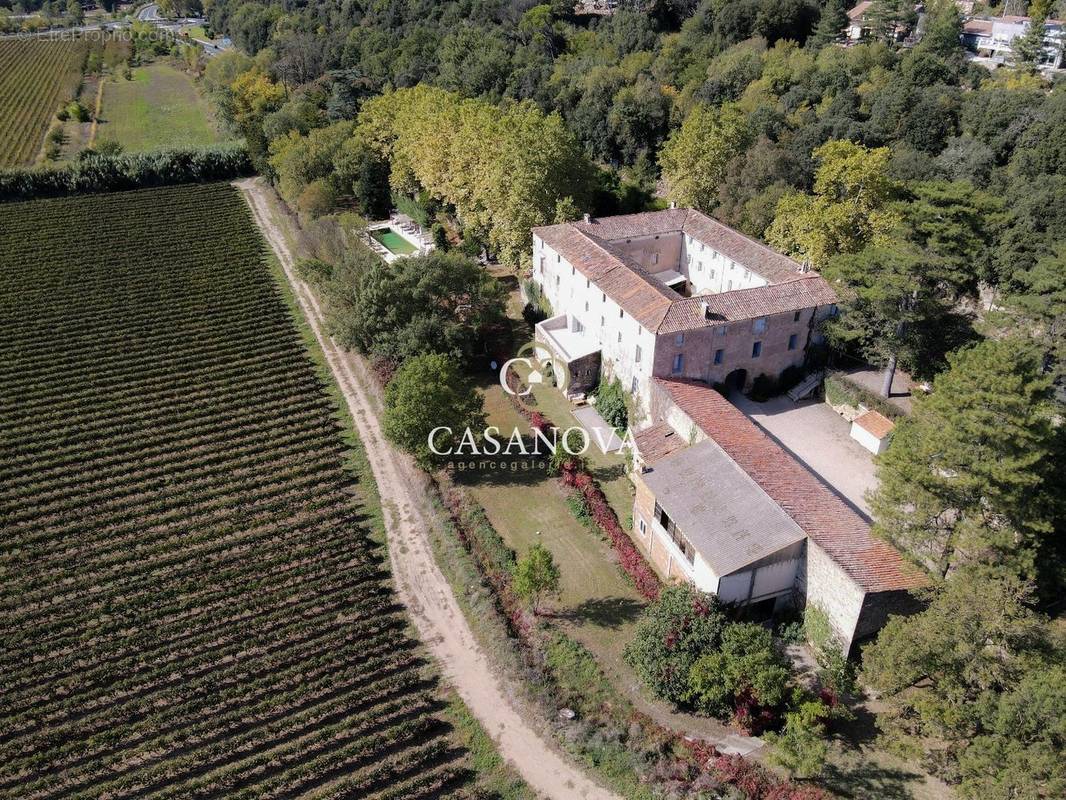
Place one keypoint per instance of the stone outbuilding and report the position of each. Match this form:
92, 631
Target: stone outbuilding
873, 430
721, 504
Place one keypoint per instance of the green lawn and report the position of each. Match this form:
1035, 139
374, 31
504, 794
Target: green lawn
598, 605
159, 108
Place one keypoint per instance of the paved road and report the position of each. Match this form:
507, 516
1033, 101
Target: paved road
149, 13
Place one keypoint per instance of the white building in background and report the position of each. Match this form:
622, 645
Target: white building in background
992, 38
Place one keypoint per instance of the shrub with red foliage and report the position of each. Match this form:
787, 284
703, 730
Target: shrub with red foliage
383, 369
757, 784
751, 717
629, 557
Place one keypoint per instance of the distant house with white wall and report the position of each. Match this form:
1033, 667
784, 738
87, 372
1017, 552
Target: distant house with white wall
858, 23
992, 38
673, 293
722, 505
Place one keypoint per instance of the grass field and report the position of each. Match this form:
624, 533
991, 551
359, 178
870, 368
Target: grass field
191, 604
37, 76
159, 108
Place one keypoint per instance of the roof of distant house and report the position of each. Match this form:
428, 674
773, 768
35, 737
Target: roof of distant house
590, 248
657, 442
859, 10
977, 26
827, 520
722, 512
875, 423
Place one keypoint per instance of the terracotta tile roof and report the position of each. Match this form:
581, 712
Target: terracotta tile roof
657, 442
752, 254
620, 278
829, 522
977, 26
876, 423
648, 223
741, 304
859, 10
589, 247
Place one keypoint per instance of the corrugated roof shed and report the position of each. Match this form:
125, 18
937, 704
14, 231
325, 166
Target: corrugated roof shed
723, 513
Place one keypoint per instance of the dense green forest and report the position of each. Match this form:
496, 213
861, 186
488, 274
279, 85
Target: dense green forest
750, 110
929, 190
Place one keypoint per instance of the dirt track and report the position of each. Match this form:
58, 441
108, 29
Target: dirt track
419, 582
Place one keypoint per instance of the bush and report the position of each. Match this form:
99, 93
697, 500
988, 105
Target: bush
316, 200
63, 115
108, 147
537, 300
440, 236
313, 270
841, 391
789, 377
672, 634
533, 314
611, 404
77, 112
800, 748
99, 173
471, 246
746, 661
763, 388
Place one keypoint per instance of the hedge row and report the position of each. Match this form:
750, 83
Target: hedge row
841, 390
98, 173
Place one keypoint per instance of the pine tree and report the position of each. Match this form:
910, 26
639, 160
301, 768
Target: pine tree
1028, 49
966, 480
830, 25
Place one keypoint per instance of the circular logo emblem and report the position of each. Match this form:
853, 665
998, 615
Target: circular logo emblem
535, 364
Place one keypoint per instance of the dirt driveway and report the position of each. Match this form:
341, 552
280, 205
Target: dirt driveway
422, 588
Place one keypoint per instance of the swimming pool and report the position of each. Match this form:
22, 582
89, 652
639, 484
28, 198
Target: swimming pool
393, 242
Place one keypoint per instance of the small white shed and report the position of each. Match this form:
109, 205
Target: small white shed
872, 430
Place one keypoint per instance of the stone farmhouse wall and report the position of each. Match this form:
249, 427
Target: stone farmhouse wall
736, 341
627, 347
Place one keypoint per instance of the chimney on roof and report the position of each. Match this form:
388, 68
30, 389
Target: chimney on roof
805, 265
706, 309
673, 204
588, 218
